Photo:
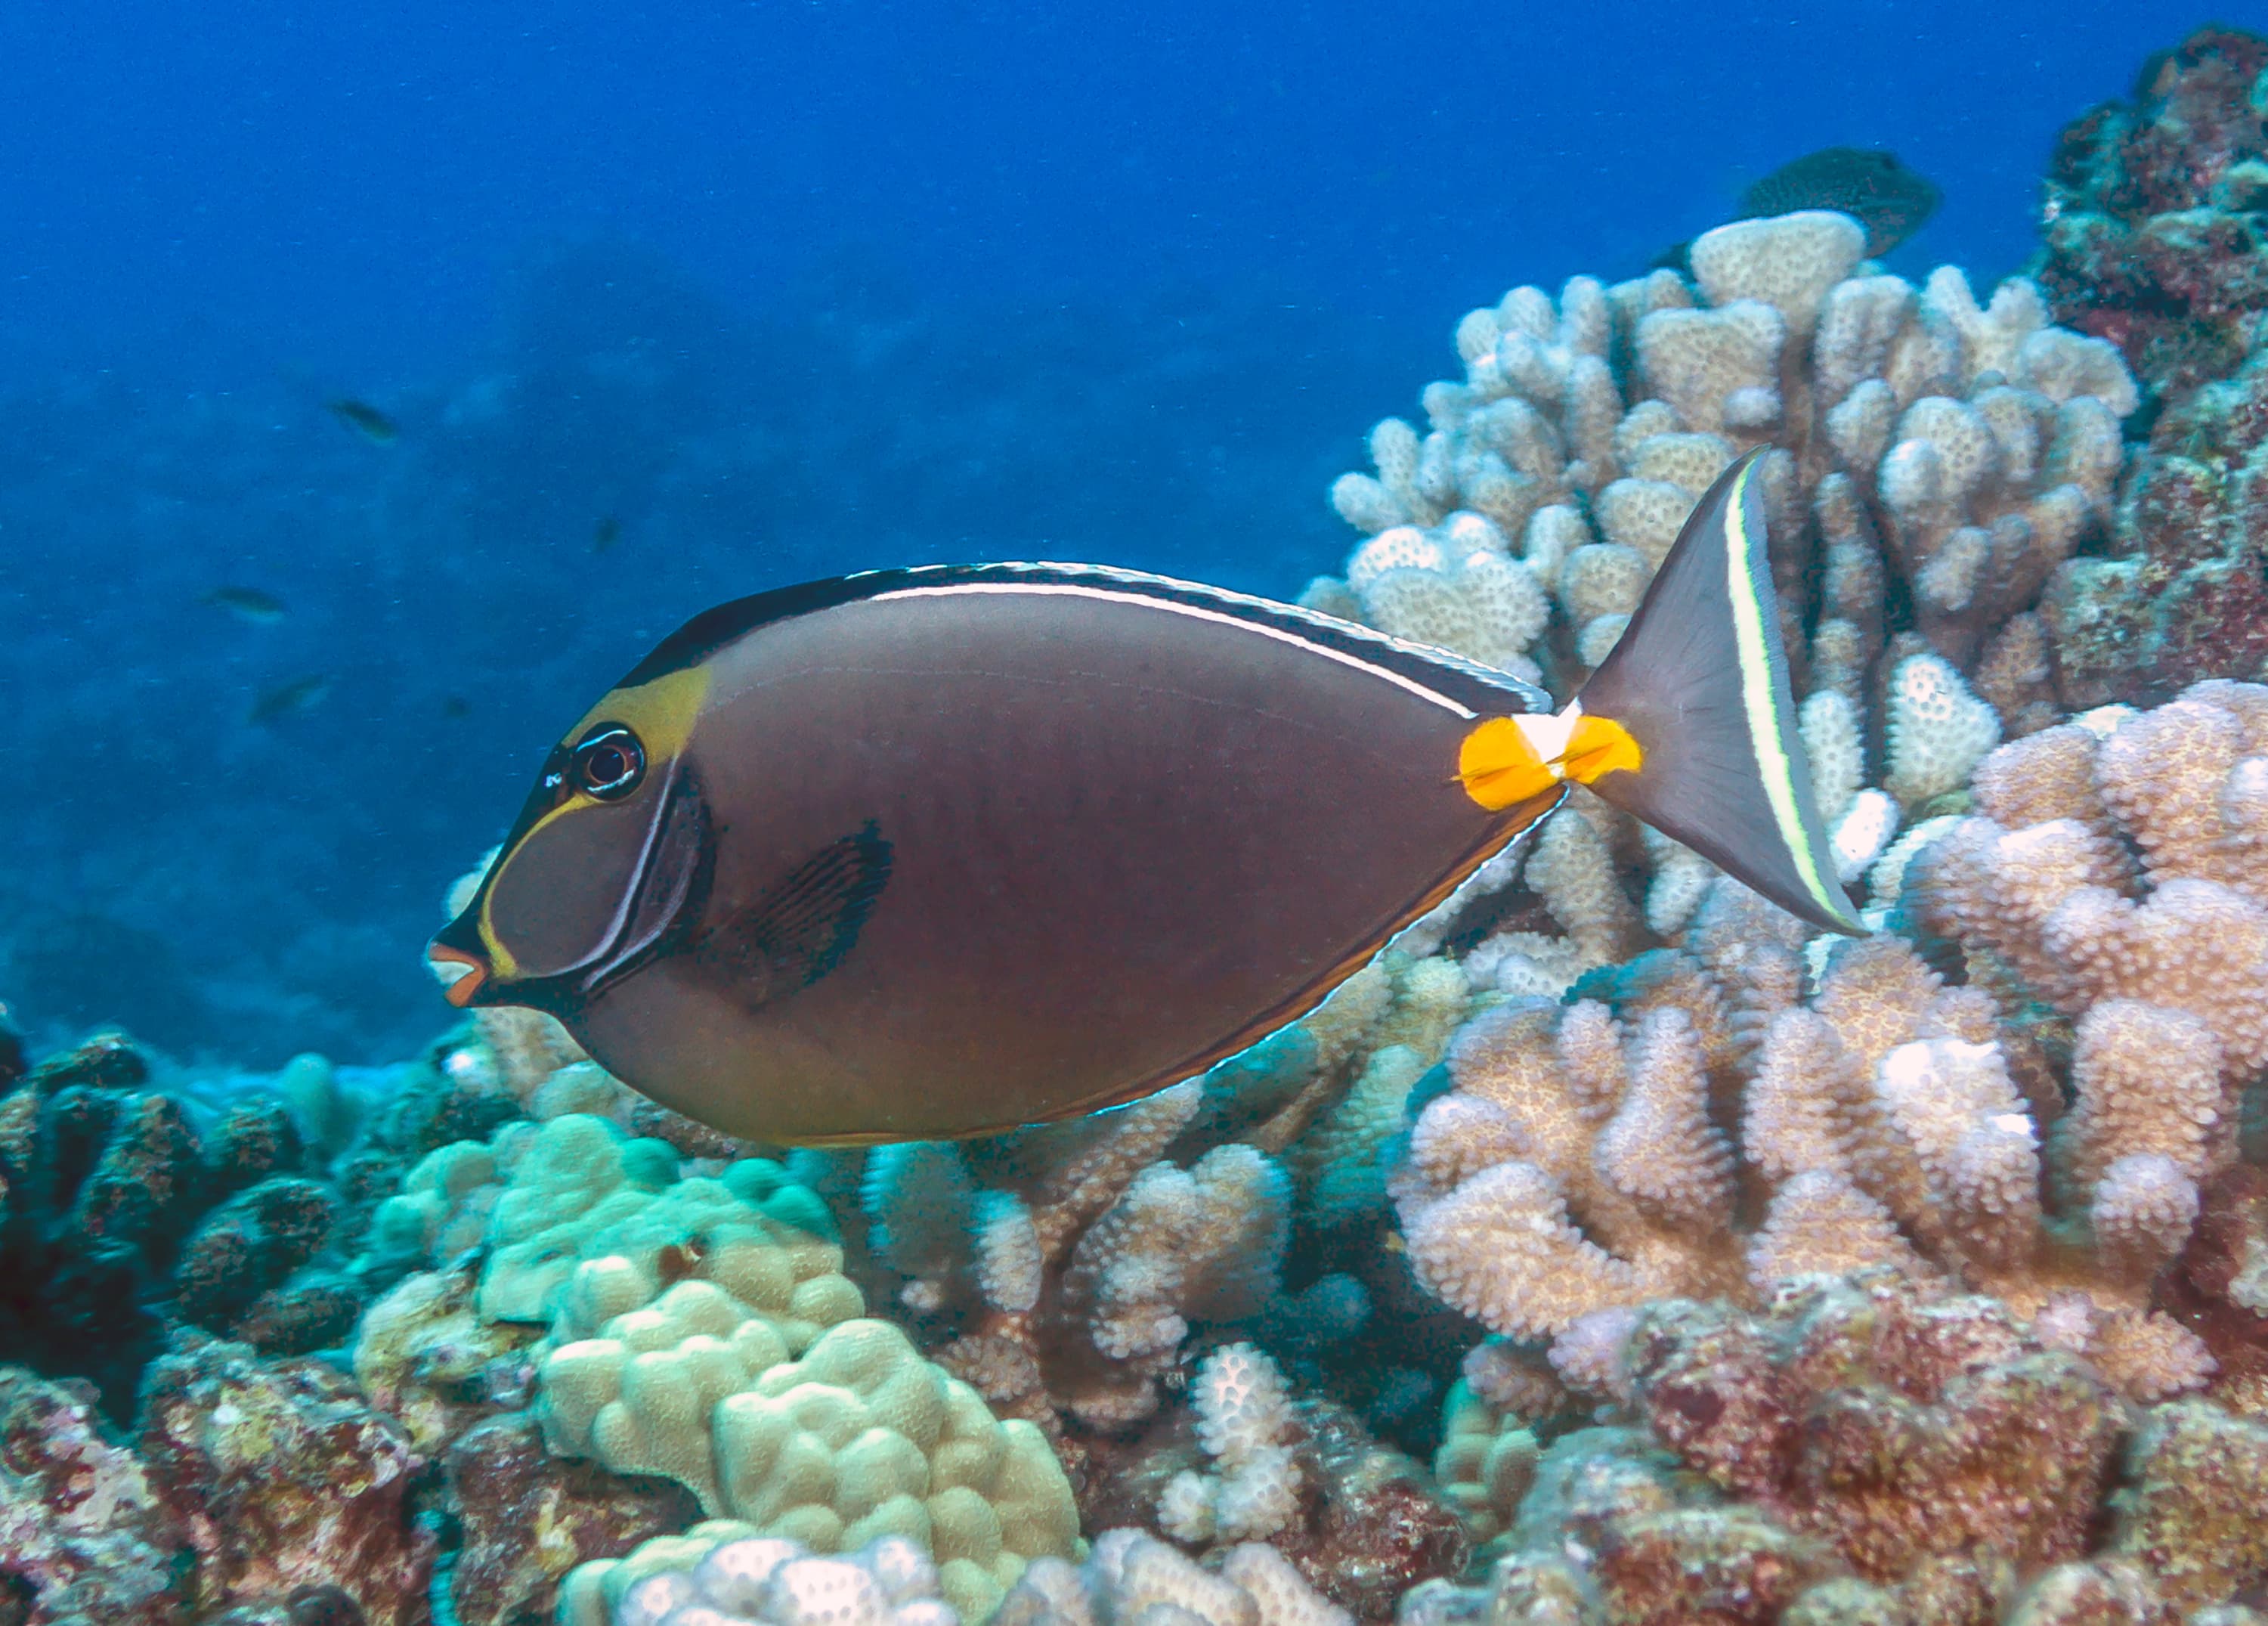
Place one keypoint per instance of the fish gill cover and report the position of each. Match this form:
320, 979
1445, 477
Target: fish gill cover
1612, 1249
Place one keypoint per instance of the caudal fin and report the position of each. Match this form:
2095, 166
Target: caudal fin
1699, 682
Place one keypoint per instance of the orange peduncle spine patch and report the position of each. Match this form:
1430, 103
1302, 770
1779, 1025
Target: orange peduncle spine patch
1507, 760
1500, 766
1600, 745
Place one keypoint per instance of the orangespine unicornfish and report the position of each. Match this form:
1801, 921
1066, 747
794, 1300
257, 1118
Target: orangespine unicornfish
934, 852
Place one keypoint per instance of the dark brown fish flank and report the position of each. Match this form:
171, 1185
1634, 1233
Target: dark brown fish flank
1106, 866
1869, 184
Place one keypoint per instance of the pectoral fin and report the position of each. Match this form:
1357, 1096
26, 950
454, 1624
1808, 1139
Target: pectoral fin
803, 926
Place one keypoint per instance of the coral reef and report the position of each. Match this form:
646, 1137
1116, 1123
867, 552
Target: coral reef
282, 1477
1935, 461
729, 1575
1936, 458
1245, 1424
693, 1331
2153, 240
123, 1218
83, 1535
1702, 1128
1726, 1273
2179, 595
1872, 1449
1357, 1520
2150, 219
1061, 1270
528, 1518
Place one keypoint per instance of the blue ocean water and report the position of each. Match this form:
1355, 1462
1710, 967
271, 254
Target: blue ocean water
671, 304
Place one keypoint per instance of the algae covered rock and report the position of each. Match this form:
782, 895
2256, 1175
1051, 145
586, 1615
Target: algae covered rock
528, 1517
284, 1478
83, 1535
119, 1216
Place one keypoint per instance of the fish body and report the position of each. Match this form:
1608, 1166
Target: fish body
1869, 184
605, 533
246, 604
365, 420
930, 852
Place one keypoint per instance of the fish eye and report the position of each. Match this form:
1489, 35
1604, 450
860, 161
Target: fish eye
609, 762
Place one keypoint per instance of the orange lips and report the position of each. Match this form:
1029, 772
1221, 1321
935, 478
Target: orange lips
460, 992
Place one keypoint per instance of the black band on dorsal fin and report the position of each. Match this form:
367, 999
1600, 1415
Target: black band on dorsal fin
1482, 689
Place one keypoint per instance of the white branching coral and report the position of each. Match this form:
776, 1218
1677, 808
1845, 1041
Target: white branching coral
1584, 1160
1586, 427
1557, 1134
1246, 1426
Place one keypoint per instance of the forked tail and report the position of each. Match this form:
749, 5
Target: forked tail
1689, 723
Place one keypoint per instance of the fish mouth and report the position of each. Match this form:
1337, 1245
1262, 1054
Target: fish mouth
465, 989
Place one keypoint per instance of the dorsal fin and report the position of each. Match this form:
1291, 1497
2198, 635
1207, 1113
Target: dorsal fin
1480, 689
1699, 679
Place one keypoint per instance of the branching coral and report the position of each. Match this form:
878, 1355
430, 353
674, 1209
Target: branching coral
1963, 449
1245, 1424
1874, 1450
1062, 1268
1581, 1163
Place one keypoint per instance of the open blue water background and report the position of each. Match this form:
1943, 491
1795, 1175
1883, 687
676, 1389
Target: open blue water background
782, 290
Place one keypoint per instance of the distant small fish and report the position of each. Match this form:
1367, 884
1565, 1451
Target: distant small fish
605, 534
456, 706
1868, 183
295, 698
365, 420
246, 604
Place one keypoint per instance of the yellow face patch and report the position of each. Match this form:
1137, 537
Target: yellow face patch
661, 712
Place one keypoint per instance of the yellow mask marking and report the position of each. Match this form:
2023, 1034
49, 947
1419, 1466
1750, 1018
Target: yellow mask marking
1508, 760
661, 713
